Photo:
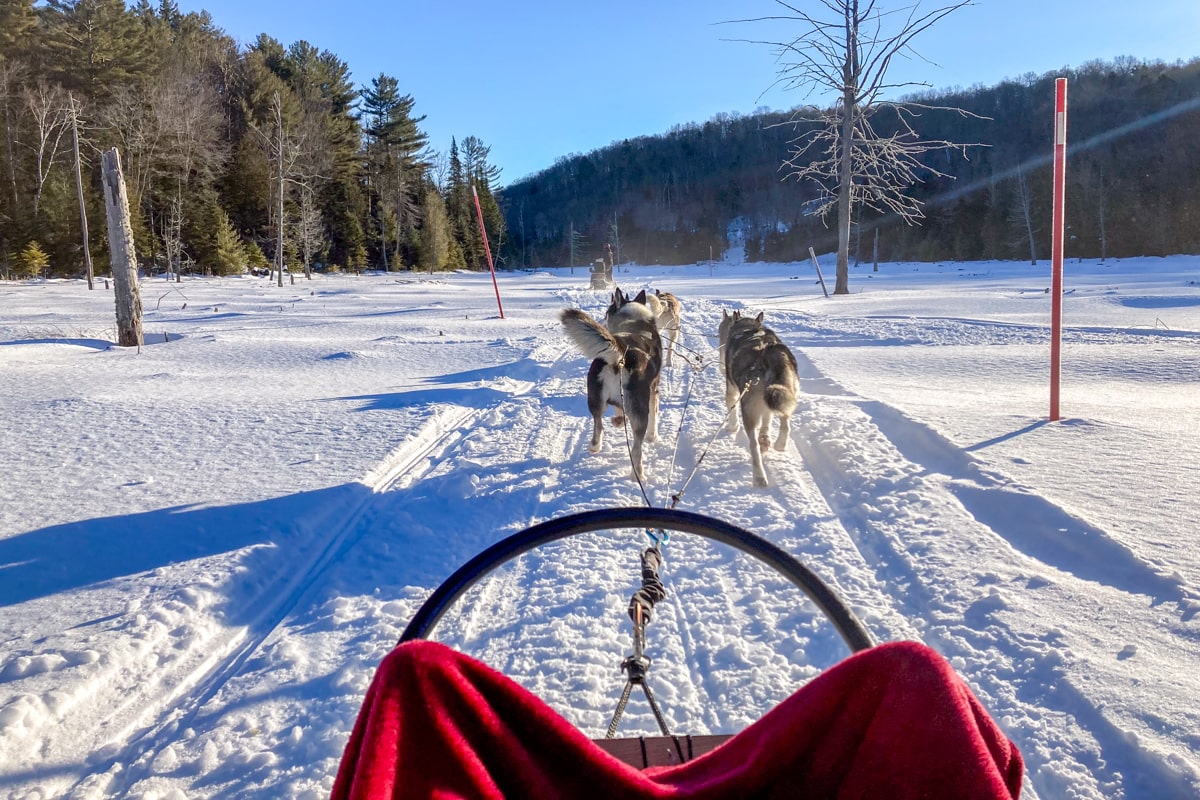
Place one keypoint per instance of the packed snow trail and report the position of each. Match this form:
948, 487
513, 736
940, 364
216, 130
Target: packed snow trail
866, 494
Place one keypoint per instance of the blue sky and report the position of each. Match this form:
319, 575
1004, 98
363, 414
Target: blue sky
540, 80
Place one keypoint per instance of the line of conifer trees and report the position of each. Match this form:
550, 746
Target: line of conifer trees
210, 136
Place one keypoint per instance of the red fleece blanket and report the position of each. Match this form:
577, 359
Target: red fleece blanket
893, 722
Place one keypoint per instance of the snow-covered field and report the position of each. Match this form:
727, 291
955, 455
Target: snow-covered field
207, 546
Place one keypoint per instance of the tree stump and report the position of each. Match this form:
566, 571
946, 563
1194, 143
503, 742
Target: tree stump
121, 253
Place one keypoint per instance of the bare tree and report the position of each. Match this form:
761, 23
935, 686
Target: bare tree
614, 238
1022, 213
49, 109
310, 228
83, 222
186, 113
296, 153
852, 153
129, 120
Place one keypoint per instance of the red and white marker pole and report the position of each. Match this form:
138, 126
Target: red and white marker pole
1057, 224
487, 249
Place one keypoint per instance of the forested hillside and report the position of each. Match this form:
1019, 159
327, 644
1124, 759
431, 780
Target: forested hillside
1133, 177
210, 136
215, 138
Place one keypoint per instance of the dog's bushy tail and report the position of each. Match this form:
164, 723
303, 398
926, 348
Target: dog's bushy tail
780, 398
781, 379
590, 337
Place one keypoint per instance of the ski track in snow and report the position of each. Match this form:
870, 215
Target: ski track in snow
125, 757
861, 490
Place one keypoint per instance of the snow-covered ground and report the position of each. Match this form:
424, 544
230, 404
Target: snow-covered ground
207, 545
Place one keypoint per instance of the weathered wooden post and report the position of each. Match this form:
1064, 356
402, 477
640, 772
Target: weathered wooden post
121, 253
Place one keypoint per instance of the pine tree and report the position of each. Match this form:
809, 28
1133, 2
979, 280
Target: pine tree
435, 233
483, 176
95, 46
17, 21
397, 161
33, 260
229, 253
460, 212
255, 260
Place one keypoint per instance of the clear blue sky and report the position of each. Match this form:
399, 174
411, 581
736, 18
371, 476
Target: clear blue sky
536, 80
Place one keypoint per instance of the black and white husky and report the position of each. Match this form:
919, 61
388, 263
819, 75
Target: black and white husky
761, 371
627, 360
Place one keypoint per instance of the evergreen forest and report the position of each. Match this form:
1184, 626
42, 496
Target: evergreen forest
234, 158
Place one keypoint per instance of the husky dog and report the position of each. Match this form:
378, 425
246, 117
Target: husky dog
665, 307
762, 372
668, 319
627, 360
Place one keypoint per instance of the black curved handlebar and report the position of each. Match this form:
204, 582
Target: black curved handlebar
848, 625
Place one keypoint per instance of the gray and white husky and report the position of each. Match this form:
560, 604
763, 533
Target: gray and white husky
666, 309
626, 362
761, 371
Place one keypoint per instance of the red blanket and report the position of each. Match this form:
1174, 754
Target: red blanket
891, 722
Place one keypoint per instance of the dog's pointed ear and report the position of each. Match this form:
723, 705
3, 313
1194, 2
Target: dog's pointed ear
657, 293
759, 317
724, 313
641, 298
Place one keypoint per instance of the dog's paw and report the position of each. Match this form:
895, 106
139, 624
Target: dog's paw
781, 445
760, 481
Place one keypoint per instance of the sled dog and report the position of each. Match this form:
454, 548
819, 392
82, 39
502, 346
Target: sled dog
627, 360
665, 307
761, 371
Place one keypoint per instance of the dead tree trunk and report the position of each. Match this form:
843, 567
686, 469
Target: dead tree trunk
282, 184
121, 253
1026, 209
87, 253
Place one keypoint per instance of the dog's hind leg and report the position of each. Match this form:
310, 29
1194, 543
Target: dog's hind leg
731, 399
637, 436
672, 332
652, 426
597, 433
785, 430
753, 417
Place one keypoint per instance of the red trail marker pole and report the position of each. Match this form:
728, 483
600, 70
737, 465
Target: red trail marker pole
487, 249
1057, 223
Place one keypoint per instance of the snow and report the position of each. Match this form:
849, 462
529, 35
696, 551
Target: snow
207, 544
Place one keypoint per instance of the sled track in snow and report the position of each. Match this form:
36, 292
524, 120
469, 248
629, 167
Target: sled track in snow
961, 627
127, 755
